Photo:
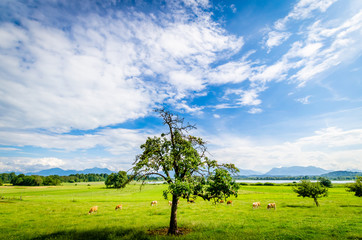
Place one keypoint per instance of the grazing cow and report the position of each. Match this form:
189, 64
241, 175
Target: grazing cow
191, 201
221, 201
229, 202
256, 205
271, 205
93, 209
119, 207
154, 203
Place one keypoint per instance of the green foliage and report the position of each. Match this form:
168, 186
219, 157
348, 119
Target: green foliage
325, 182
35, 180
116, 180
7, 177
183, 155
220, 185
52, 180
81, 177
356, 187
309, 189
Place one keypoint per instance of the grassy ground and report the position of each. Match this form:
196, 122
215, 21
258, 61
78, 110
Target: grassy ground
62, 213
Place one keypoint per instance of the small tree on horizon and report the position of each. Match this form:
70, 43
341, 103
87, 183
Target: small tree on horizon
116, 180
177, 152
325, 182
356, 187
310, 189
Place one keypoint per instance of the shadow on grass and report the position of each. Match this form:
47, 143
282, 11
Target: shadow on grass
351, 205
299, 206
96, 234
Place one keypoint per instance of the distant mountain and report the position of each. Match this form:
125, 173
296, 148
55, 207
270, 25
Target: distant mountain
246, 172
296, 171
61, 172
96, 170
341, 174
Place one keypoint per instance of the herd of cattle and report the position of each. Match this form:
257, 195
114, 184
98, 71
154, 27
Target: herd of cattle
154, 203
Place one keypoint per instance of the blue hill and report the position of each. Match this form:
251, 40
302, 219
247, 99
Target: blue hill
61, 172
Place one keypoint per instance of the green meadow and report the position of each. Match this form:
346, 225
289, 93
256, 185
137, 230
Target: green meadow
61, 212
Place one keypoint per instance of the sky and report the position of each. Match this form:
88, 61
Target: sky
267, 83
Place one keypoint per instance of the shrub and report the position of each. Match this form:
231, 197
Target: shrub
325, 182
356, 187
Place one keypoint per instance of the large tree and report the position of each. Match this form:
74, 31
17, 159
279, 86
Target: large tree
310, 189
180, 159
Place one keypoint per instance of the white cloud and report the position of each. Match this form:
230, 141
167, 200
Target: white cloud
116, 141
276, 38
249, 98
330, 148
231, 72
302, 10
189, 109
233, 8
105, 69
32, 164
255, 110
326, 47
216, 115
186, 81
321, 46
278, 72
304, 100
24, 164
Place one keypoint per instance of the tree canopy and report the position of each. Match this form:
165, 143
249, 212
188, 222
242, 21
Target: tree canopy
356, 187
181, 160
325, 182
310, 189
116, 180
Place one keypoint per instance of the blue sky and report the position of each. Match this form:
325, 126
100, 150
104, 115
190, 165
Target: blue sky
268, 83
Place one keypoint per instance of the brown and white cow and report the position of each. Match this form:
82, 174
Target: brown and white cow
229, 202
119, 207
256, 204
93, 209
271, 205
221, 201
154, 203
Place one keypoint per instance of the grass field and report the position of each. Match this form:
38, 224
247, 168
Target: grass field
62, 213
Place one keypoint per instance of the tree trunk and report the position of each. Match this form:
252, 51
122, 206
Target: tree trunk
173, 220
316, 202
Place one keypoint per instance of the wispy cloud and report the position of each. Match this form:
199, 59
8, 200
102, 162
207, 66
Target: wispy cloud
275, 39
304, 100
302, 10
255, 110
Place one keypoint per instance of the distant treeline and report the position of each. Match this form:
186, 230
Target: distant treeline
351, 177
36, 180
